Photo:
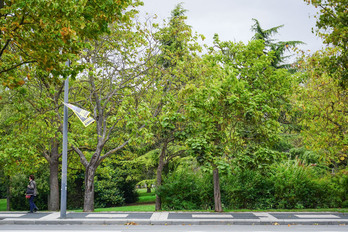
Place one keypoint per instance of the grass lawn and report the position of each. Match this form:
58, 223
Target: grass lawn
3, 204
145, 197
131, 208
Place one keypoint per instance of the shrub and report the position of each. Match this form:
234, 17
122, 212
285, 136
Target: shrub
186, 190
297, 185
114, 189
247, 189
19, 184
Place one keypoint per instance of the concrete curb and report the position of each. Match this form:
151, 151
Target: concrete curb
170, 222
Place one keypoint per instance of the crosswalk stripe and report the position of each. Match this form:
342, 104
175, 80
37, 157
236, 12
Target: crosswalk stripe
159, 216
316, 216
10, 215
55, 215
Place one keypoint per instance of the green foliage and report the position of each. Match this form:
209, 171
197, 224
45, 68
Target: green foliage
257, 158
186, 190
114, 187
19, 184
107, 194
247, 189
3, 184
332, 26
75, 189
229, 106
288, 184
297, 186
48, 33
323, 102
277, 49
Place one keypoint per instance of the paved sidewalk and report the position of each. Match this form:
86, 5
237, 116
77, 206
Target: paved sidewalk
175, 218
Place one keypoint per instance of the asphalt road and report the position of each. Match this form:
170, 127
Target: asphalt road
173, 228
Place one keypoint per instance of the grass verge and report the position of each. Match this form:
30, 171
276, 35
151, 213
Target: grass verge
145, 197
131, 208
3, 204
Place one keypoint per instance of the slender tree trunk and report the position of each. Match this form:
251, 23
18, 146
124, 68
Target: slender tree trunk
53, 201
88, 205
159, 174
216, 178
217, 192
148, 189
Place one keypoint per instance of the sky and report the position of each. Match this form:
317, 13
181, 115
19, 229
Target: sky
232, 19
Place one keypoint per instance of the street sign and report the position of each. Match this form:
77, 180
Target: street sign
81, 114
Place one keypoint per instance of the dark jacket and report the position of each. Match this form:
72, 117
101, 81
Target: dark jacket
32, 185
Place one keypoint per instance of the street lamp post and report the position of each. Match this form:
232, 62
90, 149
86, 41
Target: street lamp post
64, 154
83, 115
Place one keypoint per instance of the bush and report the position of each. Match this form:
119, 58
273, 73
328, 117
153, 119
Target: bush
247, 189
19, 184
114, 189
289, 185
76, 188
297, 185
186, 190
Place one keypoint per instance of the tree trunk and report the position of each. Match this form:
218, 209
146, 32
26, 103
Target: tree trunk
148, 189
53, 200
159, 174
217, 192
216, 179
88, 205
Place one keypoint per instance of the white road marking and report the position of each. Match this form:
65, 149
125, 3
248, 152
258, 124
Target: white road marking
55, 215
265, 217
7, 215
212, 216
159, 216
97, 215
316, 216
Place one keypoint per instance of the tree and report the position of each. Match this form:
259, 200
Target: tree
321, 97
236, 105
112, 88
39, 126
323, 106
332, 26
48, 33
177, 64
18, 155
277, 48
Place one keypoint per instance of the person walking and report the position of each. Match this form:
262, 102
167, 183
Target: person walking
32, 186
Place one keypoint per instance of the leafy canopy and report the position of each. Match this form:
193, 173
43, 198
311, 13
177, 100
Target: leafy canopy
48, 33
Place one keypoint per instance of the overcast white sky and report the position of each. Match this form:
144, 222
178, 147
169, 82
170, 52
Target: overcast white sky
232, 19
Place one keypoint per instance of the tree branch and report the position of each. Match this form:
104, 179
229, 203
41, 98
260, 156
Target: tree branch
82, 156
113, 150
26, 62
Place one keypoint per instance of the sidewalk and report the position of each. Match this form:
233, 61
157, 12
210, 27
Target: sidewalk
175, 218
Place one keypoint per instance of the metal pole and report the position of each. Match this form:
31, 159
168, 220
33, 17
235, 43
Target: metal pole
64, 155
